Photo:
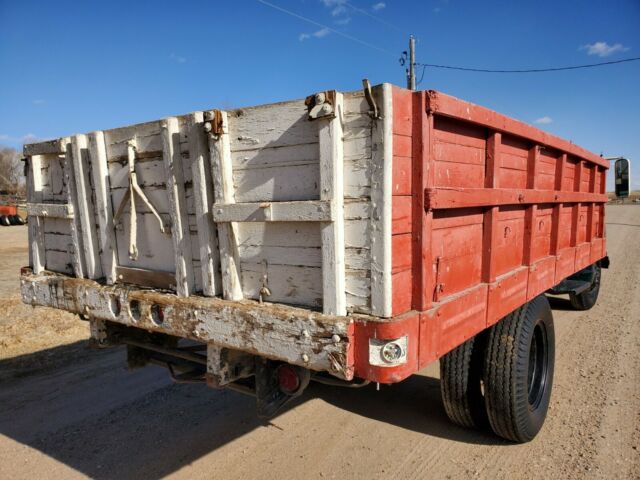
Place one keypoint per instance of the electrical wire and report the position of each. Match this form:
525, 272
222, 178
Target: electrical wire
376, 18
321, 25
527, 70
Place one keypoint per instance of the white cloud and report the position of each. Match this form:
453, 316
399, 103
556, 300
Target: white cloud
178, 58
543, 120
603, 49
378, 6
28, 138
343, 21
323, 32
339, 10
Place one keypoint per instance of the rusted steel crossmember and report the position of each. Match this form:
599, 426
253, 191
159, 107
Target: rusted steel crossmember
297, 336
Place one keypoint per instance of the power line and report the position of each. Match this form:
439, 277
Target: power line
528, 70
376, 18
321, 25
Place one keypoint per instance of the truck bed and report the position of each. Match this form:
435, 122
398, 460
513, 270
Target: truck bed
312, 231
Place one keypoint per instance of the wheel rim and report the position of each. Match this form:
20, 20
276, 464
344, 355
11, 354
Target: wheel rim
538, 365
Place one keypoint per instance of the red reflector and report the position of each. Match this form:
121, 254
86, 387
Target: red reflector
288, 379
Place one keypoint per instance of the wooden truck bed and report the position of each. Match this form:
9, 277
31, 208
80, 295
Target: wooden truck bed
313, 231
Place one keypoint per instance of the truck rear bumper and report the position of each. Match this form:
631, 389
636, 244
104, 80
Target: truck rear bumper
293, 335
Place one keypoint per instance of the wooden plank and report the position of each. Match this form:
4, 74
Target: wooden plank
444, 198
332, 193
490, 219
102, 188
51, 210
203, 199
381, 203
302, 211
43, 148
446, 105
222, 175
37, 258
533, 160
575, 209
77, 260
185, 283
146, 278
557, 208
85, 211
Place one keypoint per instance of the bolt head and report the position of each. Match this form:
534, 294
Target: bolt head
336, 338
305, 358
207, 127
320, 98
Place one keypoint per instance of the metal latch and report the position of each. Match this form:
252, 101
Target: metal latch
321, 105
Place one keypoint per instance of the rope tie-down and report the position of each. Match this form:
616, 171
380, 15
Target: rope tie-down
129, 196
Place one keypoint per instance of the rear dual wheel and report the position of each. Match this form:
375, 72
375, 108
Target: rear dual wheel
507, 382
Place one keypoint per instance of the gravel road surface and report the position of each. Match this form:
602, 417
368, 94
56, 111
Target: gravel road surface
70, 412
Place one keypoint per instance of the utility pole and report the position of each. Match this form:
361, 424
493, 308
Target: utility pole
411, 71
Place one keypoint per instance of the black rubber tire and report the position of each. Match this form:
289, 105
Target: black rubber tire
20, 220
517, 395
588, 298
4, 220
461, 384
12, 219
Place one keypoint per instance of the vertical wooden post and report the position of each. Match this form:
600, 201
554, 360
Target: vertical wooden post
332, 189
575, 209
101, 185
593, 171
381, 203
180, 234
85, 210
533, 160
72, 199
490, 221
422, 180
222, 175
203, 196
557, 208
37, 258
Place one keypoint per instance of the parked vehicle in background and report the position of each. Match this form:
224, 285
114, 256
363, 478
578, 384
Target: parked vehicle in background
9, 216
345, 238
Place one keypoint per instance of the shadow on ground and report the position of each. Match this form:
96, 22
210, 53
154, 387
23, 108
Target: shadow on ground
107, 422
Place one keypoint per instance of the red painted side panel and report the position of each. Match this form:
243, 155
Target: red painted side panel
488, 213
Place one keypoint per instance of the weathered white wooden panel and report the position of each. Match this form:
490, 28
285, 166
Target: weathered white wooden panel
200, 203
290, 234
86, 209
154, 248
57, 226
358, 291
72, 198
59, 261
52, 210
58, 241
223, 192
147, 136
332, 190
185, 284
289, 284
303, 211
272, 125
381, 200
36, 231
277, 184
104, 208
287, 155
280, 255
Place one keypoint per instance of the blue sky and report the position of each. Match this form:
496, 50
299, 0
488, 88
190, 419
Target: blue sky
69, 67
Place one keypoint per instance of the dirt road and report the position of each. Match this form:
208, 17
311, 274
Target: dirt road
71, 413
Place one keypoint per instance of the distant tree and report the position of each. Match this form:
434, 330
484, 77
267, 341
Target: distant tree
11, 171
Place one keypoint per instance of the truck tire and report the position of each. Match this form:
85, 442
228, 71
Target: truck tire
4, 221
518, 371
587, 299
460, 384
20, 220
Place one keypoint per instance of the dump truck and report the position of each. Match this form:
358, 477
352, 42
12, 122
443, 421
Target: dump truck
344, 238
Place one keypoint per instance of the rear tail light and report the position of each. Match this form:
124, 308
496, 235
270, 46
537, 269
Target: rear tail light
288, 379
388, 353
